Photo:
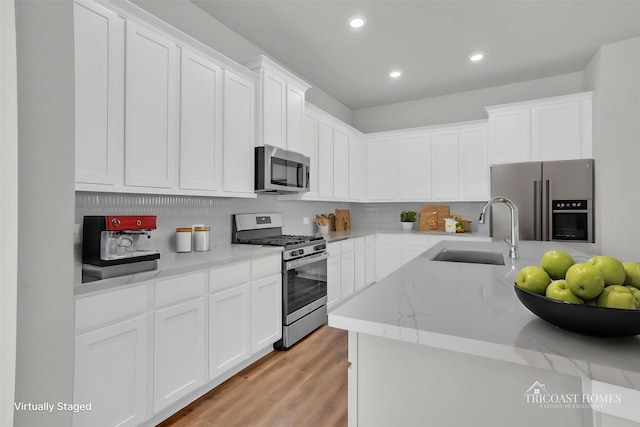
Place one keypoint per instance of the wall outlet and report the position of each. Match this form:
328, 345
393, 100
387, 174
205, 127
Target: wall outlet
305, 220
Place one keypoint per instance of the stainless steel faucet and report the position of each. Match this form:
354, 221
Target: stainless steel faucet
515, 229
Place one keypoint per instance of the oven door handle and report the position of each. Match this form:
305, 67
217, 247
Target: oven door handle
296, 263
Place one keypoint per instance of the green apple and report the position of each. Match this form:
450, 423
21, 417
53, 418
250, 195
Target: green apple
585, 280
636, 294
612, 269
616, 296
533, 279
559, 290
633, 273
556, 262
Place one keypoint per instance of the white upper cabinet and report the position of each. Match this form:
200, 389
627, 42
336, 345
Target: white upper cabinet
382, 168
414, 167
280, 105
201, 117
473, 163
340, 163
444, 165
356, 159
325, 158
310, 149
151, 124
557, 128
239, 119
99, 94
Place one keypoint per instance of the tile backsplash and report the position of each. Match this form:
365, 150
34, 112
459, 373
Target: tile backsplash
185, 211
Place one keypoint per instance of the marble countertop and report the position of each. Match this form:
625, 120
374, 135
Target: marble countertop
179, 263
336, 236
473, 309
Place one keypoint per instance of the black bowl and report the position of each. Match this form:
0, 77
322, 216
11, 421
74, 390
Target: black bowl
583, 319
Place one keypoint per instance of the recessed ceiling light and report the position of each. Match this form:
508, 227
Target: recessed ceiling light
357, 21
395, 74
476, 57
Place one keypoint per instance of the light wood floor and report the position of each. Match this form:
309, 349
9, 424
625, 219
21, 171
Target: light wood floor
303, 386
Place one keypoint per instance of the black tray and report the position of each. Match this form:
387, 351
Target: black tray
583, 319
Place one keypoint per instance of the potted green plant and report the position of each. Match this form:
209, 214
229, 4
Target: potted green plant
407, 218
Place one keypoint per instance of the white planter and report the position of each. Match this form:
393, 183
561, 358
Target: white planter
406, 225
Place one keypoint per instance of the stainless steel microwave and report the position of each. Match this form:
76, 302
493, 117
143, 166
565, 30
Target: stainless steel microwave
280, 171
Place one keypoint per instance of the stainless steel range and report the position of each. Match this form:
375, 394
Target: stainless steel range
304, 272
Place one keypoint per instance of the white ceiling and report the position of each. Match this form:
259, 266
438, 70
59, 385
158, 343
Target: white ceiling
430, 41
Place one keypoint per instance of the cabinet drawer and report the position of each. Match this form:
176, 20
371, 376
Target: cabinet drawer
265, 267
388, 239
334, 248
347, 245
179, 288
110, 306
370, 240
358, 243
229, 276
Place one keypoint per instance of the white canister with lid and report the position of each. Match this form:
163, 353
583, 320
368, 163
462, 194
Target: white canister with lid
450, 225
183, 239
201, 238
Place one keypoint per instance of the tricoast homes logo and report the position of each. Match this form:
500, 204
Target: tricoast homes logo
538, 394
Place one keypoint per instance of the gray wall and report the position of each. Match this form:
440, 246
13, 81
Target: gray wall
614, 75
462, 106
44, 371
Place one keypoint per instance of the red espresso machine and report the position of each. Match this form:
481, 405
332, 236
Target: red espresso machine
117, 245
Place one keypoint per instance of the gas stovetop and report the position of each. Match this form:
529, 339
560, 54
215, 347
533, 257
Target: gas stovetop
286, 240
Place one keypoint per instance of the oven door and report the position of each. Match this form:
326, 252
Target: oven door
573, 225
304, 286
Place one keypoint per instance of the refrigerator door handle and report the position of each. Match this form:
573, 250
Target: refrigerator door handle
537, 209
546, 210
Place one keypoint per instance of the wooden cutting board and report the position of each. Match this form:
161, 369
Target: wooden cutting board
432, 217
343, 220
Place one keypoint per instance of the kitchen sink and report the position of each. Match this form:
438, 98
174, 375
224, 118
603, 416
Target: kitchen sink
471, 257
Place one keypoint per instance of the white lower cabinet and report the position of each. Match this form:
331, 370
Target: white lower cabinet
370, 261
179, 351
179, 345
413, 245
266, 311
360, 263
347, 268
111, 358
388, 254
229, 328
333, 275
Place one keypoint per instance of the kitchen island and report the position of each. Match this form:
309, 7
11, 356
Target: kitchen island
444, 343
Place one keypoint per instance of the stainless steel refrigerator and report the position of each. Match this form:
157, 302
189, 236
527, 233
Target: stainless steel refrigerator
554, 199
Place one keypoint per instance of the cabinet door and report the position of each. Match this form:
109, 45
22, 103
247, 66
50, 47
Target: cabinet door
151, 125
356, 158
347, 274
200, 123
381, 169
340, 163
310, 148
414, 167
444, 164
238, 141
295, 118
388, 254
325, 158
266, 311
229, 329
179, 351
111, 373
360, 268
370, 272
274, 104
99, 94
556, 131
510, 136
333, 281
474, 164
